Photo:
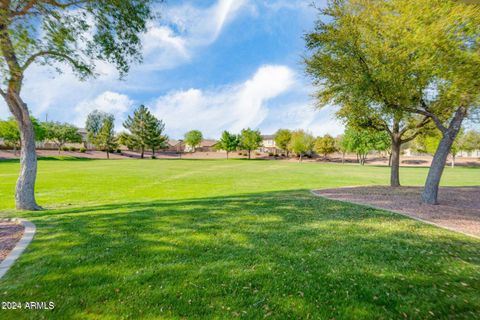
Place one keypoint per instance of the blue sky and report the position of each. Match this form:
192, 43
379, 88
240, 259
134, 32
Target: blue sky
209, 65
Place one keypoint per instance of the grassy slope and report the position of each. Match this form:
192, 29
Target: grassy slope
221, 239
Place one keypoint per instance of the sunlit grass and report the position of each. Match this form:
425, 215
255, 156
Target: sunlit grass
227, 239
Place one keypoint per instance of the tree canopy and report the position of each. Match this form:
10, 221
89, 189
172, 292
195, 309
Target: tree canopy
250, 140
228, 142
193, 139
301, 143
282, 139
146, 131
61, 133
325, 145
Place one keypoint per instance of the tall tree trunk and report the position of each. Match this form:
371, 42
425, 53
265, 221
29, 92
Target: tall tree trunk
343, 157
108, 155
25, 188
227, 155
143, 152
249, 152
453, 161
430, 193
395, 161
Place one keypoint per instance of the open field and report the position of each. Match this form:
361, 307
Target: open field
215, 239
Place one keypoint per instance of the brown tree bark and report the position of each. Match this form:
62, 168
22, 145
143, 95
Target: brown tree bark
430, 193
395, 160
25, 187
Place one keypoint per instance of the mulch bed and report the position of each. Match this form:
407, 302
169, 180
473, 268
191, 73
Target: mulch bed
459, 207
10, 233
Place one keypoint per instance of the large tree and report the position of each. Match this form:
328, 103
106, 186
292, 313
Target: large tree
229, 142
357, 62
250, 140
74, 32
446, 36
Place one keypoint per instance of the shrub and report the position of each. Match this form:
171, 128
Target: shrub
240, 153
257, 153
119, 151
270, 154
65, 149
83, 150
73, 149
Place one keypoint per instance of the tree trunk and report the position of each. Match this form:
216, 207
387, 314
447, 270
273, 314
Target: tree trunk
227, 155
108, 154
395, 162
301, 158
25, 188
143, 153
343, 157
249, 151
453, 161
430, 193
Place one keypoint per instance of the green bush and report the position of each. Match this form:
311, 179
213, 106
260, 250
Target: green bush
65, 149
119, 151
270, 154
73, 149
83, 150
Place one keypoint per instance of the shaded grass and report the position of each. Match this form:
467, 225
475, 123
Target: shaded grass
227, 239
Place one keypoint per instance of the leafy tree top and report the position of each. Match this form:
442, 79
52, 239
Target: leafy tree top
76, 32
282, 138
228, 142
193, 138
301, 142
250, 139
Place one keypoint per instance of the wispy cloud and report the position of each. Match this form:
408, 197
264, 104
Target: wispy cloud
226, 108
186, 28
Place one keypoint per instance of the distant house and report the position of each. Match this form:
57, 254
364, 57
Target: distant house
269, 145
175, 146
207, 145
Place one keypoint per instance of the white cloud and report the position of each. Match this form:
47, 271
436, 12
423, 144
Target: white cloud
171, 42
110, 102
226, 108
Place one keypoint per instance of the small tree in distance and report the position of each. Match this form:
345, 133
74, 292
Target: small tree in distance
325, 145
229, 142
105, 139
250, 140
61, 134
193, 138
11, 135
282, 139
301, 143
94, 123
145, 131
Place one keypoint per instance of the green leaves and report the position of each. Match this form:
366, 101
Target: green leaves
145, 131
193, 138
78, 33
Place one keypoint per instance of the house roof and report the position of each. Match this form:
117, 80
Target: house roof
268, 136
208, 143
173, 142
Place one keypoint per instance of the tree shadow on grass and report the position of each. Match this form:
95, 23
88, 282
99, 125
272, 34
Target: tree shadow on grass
278, 254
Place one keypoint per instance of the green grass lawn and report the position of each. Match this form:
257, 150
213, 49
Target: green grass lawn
200, 239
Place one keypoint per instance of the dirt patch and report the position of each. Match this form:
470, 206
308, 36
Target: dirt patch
10, 234
459, 207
